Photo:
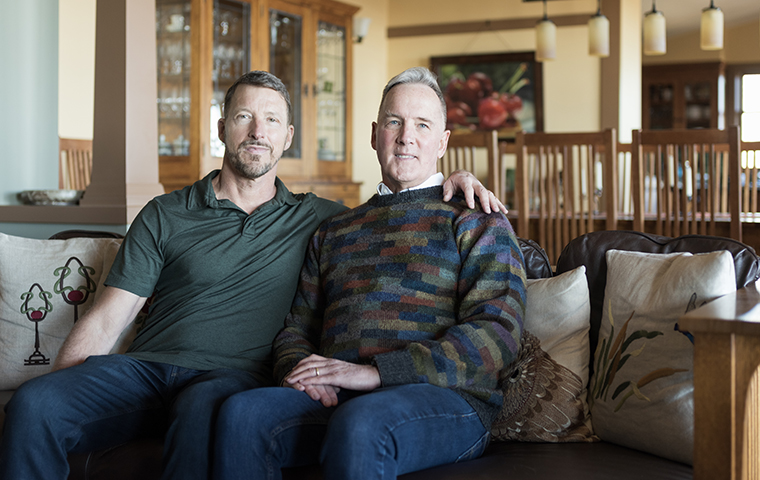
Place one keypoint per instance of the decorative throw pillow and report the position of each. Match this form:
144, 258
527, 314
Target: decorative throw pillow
46, 286
545, 389
641, 392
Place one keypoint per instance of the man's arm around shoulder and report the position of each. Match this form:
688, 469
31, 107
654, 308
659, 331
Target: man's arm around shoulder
97, 331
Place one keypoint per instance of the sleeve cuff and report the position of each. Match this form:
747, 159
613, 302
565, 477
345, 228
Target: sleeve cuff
396, 368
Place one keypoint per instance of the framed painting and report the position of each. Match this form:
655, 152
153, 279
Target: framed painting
500, 91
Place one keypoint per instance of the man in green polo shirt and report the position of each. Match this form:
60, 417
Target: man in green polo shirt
221, 260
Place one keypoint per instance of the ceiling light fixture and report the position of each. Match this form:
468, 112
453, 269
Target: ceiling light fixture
654, 32
599, 33
546, 38
711, 31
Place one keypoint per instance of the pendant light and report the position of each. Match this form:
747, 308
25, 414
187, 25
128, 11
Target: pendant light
546, 39
599, 33
711, 31
654, 32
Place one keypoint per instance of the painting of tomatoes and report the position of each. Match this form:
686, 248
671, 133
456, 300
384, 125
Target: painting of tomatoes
491, 92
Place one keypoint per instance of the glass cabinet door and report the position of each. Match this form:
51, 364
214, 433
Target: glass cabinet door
661, 106
285, 60
231, 58
697, 98
331, 92
173, 75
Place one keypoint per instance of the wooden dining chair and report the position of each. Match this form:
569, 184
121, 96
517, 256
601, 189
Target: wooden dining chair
75, 163
686, 181
564, 181
463, 151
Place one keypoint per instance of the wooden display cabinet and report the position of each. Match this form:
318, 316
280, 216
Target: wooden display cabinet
203, 46
683, 96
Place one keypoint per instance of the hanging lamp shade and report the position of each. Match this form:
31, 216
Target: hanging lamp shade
654, 33
711, 29
546, 39
599, 35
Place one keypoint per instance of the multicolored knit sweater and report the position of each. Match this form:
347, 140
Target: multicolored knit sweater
428, 291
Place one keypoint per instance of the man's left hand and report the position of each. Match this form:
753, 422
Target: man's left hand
317, 370
464, 181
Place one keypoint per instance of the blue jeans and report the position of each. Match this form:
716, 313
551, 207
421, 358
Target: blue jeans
377, 435
110, 400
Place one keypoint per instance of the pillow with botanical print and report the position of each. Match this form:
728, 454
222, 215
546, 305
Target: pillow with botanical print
641, 393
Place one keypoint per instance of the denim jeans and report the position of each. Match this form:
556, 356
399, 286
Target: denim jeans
377, 435
107, 401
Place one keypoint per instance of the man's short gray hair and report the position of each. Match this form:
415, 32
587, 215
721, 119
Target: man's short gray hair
416, 75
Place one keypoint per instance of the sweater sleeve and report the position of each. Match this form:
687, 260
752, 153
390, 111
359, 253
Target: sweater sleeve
491, 295
303, 325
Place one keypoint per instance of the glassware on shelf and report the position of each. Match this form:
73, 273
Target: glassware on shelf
231, 54
285, 51
173, 54
331, 92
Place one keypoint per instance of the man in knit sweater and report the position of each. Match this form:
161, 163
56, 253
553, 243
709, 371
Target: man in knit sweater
407, 309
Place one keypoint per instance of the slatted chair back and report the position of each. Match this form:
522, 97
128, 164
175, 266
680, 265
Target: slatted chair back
750, 166
465, 148
565, 181
75, 157
686, 181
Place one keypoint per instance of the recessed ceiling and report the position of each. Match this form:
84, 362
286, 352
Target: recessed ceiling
683, 16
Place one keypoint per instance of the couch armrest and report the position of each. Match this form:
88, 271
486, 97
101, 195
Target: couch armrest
726, 356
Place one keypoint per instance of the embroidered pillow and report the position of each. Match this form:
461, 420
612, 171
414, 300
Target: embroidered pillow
545, 389
46, 286
641, 392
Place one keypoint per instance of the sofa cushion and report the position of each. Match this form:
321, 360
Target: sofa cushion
642, 388
45, 286
590, 249
545, 389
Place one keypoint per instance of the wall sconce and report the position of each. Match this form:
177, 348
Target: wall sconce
546, 38
654, 32
599, 33
361, 28
711, 31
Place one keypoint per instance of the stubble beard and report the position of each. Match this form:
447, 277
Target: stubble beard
251, 166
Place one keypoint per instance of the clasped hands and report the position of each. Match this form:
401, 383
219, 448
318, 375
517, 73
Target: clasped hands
322, 378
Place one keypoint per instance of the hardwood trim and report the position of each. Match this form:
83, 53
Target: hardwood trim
484, 25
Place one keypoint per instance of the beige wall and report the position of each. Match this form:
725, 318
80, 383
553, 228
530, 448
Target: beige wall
571, 81
370, 73
76, 67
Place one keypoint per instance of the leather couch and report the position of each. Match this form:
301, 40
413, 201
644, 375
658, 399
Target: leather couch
514, 461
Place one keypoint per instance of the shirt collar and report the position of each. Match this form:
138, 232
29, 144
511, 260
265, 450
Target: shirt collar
202, 194
435, 180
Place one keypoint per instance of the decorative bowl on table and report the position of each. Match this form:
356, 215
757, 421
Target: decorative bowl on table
50, 197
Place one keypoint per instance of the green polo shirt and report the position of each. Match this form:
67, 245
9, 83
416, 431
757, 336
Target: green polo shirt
223, 281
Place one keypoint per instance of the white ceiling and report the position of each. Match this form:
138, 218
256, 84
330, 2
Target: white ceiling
683, 16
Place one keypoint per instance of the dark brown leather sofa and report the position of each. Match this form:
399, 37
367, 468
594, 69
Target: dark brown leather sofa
514, 461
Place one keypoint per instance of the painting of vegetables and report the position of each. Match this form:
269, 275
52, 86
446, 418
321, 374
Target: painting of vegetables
612, 354
491, 92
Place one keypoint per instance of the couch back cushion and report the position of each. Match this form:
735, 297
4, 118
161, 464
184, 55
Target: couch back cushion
537, 263
45, 287
590, 250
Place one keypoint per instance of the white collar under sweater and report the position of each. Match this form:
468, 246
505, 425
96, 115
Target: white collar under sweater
436, 180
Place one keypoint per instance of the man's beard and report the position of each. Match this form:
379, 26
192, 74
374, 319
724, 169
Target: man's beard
253, 168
